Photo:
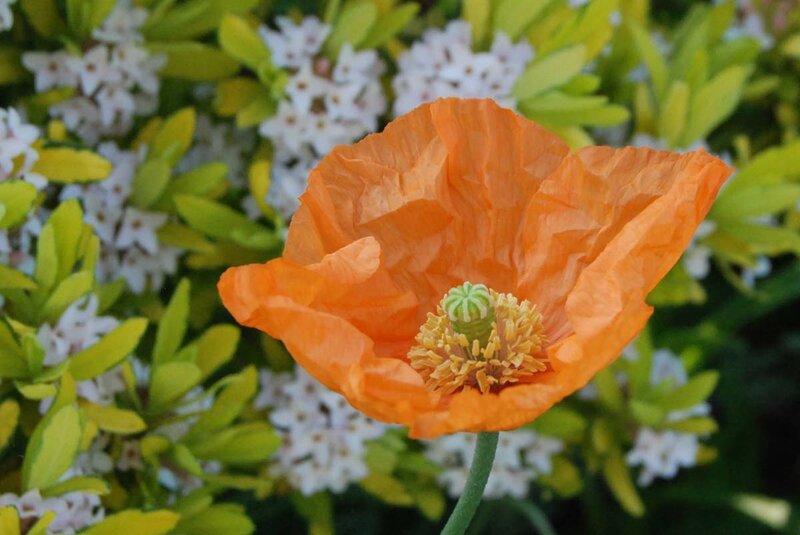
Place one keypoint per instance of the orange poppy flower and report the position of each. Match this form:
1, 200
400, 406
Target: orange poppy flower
564, 245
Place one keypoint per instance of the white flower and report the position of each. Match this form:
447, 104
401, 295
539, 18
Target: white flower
139, 227
73, 511
51, 69
122, 24
762, 268
522, 456
294, 43
327, 104
16, 143
220, 142
749, 23
130, 456
444, 64
115, 79
6, 15
662, 453
323, 436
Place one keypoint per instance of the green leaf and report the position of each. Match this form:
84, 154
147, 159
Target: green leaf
52, 448
478, 14
557, 109
88, 485
696, 391
170, 382
354, 24
217, 520
200, 181
390, 24
150, 182
608, 390
618, 477
16, 197
560, 422
513, 17
386, 488
109, 351
66, 166
174, 137
130, 521
9, 415
179, 235
242, 42
228, 405
778, 161
755, 201
317, 509
192, 19
549, 72
11, 68
114, 420
69, 290
11, 279
185, 460
43, 16
243, 444
36, 392
220, 221
564, 478
672, 118
215, 347
762, 239
647, 413
172, 325
714, 102
651, 56
194, 62
702, 425
67, 224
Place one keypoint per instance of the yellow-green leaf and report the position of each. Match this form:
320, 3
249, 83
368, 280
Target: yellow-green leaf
478, 14
220, 221
242, 42
390, 24
65, 165
714, 102
43, 16
69, 290
153, 523
550, 71
195, 62
9, 414
172, 325
652, 57
170, 382
113, 419
150, 182
88, 485
215, 347
109, 351
697, 390
512, 17
16, 197
618, 477
352, 26
672, 118
174, 137
235, 94
702, 425
11, 279
52, 448
217, 520
9, 521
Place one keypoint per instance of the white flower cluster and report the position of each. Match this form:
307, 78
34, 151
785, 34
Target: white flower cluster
129, 246
74, 511
443, 64
749, 23
324, 438
17, 246
220, 142
6, 15
78, 328
661, 453
114, 80
327, 103
17, 154
522, 456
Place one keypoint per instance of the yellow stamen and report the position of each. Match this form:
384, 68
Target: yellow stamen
448, 361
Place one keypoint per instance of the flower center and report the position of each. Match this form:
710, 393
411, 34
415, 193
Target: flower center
479, 338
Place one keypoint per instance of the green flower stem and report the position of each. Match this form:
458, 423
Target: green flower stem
461, 517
